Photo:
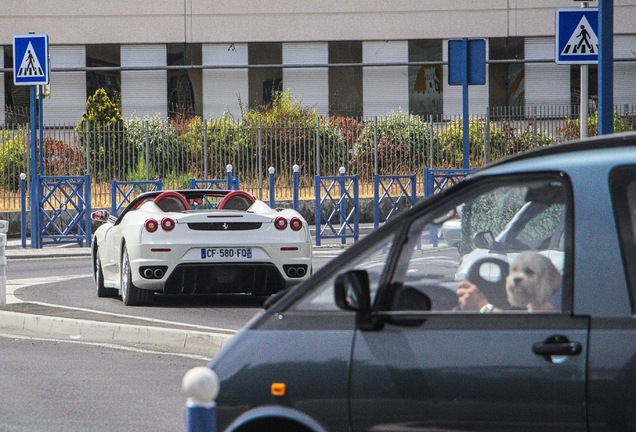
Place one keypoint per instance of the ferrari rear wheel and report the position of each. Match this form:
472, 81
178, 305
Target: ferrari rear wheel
102, 291
130, 294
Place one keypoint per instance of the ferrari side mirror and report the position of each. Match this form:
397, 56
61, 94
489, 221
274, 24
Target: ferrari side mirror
100, 215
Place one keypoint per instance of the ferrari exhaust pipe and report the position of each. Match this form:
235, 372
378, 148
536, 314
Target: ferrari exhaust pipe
295, 271
153, 272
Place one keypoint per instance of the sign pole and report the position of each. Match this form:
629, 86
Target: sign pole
606, 67
41, 126
584, 94
465, 111
466, 66
34, 171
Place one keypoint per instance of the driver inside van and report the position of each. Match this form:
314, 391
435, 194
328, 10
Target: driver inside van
533, 284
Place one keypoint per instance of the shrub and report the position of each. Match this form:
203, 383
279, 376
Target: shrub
518, 140
163, 154
290, 134
504, 141
402, 141
102, 128
13, 159
571, 127
224, 139
451, 144
60, 158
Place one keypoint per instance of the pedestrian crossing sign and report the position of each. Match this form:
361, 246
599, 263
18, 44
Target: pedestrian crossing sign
576, 36
31, 59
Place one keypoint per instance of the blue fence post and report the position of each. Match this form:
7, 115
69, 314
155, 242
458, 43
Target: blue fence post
228, 170
295, 186
87, 207
376, 207
201, 386
317, 212
113, 197
272, 184
428, 182
343, 203
356, 219
23, 213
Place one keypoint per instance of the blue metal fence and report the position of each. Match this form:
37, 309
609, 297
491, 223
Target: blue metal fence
232, 184
436, 180
123, 192
398, 191
63, 211
337, 208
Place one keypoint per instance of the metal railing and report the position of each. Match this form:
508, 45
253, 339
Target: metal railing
175, 152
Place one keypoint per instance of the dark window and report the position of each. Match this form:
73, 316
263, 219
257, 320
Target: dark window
17, 98
184, 85
426, 83
266, 81
104, 56
506, 80
345, 82
592, 86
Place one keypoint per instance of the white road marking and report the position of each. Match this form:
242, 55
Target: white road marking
15, 284
108, 345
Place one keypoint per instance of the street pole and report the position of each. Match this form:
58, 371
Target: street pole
606, 67
34, 171
584, 94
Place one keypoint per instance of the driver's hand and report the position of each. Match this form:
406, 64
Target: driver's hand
470, 296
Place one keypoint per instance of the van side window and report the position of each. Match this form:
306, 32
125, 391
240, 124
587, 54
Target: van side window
623, 182
499, 249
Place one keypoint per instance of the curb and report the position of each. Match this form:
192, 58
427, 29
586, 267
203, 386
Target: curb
147, 337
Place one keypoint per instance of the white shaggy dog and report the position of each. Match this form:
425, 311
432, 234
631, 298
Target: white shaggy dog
532, 280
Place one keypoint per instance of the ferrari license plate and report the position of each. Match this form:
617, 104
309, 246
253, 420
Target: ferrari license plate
226, 253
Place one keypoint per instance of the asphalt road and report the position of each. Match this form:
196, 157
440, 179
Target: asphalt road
67, 281
72, 384
56, 386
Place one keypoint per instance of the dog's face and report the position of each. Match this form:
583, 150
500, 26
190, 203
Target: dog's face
532, 280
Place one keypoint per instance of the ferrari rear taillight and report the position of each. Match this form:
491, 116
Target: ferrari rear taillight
167, 224
151, 225
295, 224
280, 223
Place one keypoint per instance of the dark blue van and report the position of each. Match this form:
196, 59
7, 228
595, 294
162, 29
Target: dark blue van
526, 323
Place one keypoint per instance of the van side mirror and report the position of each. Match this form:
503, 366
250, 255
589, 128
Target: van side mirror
352, 292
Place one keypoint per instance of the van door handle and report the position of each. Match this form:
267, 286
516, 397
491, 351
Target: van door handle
557, 346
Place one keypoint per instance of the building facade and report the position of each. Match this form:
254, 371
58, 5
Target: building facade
361, 59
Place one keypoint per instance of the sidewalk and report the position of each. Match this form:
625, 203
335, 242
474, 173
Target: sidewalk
14, 249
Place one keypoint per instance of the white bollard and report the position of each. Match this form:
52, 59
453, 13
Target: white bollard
201, 386
4, 229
